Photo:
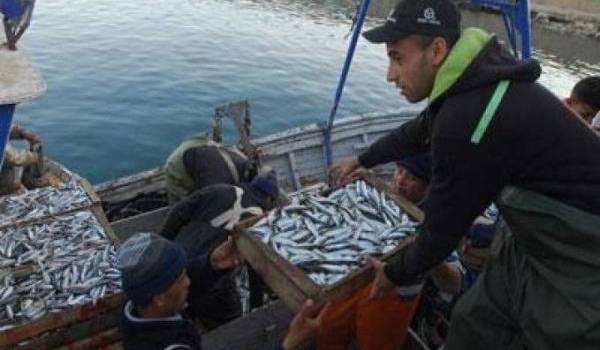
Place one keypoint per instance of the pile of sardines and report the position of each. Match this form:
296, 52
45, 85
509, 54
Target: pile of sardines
329, 237
46, 267
41, 202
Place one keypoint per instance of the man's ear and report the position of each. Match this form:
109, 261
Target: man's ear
439, 50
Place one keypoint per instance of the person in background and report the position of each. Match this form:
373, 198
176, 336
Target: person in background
157, 278
199, 162
203, 220
15, 159
585, 98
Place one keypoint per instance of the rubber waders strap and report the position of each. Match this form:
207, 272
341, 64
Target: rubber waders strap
489, 112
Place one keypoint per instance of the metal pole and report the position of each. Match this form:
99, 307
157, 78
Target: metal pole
362, 14
525, 25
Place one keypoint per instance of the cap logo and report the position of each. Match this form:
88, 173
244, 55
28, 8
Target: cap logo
429, 17
390, 17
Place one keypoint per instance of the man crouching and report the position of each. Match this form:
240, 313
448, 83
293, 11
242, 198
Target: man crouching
156, 279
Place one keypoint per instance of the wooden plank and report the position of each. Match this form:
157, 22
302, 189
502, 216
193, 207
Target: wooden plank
103, 339
57, 320
101, 217
293, 170
290, 283
74, 333
263, 328
146, 222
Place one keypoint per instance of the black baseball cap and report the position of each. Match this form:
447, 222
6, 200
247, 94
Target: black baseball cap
425, 17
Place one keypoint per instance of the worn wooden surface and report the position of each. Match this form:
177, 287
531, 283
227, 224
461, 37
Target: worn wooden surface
263, 328
81, 331
146, 222
53, 321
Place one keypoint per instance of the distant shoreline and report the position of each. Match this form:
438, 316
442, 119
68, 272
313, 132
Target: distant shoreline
580, 17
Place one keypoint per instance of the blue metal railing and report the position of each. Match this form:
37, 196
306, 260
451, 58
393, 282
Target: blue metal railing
517, 21
360, 19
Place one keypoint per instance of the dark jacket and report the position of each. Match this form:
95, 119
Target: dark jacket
215, 205
199, 223
533, 141
175, 332
209, 165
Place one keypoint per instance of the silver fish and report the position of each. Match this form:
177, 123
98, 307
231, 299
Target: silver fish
328, 237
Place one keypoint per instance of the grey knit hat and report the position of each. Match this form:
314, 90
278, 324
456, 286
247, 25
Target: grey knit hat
267, 183
149, 264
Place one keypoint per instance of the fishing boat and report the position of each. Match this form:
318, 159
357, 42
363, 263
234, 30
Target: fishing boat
137, 203
297, 155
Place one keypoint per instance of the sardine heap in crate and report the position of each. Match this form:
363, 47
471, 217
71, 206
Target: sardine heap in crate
54, 265
329, 237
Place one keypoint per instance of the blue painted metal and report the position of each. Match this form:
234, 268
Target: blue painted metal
517, 20
360, 19
6, 115
12, 9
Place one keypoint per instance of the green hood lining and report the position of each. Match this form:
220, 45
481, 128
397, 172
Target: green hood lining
468, 46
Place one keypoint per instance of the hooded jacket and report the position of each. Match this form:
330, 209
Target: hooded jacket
533, 141
221, 206
216, 164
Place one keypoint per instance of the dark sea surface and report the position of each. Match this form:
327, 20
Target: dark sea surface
127, 80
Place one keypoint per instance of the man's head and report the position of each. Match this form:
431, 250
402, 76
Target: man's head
418, 35
153, 273
412, 175
585, 98
268, 185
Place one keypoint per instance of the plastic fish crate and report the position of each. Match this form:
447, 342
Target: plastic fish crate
83, 326
292, 284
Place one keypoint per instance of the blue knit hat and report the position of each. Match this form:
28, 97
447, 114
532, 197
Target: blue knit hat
267, 183
419, 165
149, 264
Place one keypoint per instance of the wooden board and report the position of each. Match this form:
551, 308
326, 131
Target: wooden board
11, 337
290, 283
73, 324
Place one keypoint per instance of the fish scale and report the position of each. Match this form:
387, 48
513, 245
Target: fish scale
352, 222
71, 271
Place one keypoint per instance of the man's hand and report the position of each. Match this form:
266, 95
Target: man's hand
345, 171
382, 286
304, 325
225, 256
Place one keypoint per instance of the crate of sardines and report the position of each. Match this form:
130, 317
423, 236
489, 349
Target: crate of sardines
58, 281
316, 246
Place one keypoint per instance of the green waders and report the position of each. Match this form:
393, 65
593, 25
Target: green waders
541, 288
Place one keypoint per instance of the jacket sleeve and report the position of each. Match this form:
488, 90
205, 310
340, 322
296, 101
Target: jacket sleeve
181, 214
466, 179
409, 139
202, 276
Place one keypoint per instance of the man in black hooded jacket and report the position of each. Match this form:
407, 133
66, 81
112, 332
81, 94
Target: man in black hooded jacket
496, 136
203, 220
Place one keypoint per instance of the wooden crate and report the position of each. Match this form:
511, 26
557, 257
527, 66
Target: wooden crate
81, 327
291, 283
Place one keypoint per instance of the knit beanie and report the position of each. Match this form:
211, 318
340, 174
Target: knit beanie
267, 183
149, 264
418, 165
